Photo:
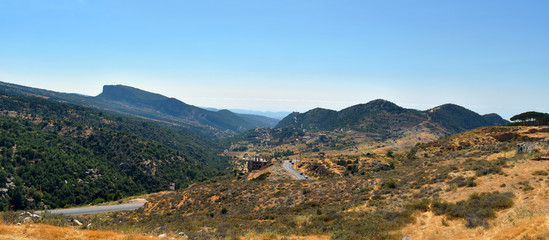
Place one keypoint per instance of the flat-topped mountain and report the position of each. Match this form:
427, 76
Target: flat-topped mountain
382, 118
152, 106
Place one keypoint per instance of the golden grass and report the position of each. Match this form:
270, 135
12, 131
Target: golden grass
271, 236
48, 232
527, 219
430, 227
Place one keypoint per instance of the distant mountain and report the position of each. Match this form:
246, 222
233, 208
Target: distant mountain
275, 115
270, 119
494, 119
260, 120
151, 106
458, 119
125, 98
381, 118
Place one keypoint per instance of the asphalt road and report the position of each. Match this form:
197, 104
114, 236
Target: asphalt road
394, 143
98, 209
288, 166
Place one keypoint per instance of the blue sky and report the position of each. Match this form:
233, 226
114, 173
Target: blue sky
286, 55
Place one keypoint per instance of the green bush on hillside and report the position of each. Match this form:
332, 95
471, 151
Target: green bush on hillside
477, 209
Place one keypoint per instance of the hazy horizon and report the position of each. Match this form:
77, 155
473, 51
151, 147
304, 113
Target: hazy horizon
489, 56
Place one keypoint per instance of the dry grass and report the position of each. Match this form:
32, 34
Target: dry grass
48, 232
277, 172
430, 227
271, 236
527, 219
345, 204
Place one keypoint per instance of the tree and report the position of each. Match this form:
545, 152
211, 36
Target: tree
531, 118
390, 153
17, 199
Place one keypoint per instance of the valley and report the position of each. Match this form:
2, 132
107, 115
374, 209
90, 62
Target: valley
274, 120
371, 171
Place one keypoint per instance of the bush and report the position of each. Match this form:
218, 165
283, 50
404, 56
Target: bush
390, 183
98, 201
474, 220
525, 186
489, 170
540, 173
463, 182
422, 205
483, 167
477, 209
262, 177
371, 226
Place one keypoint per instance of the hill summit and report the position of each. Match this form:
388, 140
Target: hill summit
382, 118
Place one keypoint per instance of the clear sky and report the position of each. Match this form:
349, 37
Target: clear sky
286, 55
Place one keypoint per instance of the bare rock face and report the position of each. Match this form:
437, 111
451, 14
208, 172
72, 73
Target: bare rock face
183, 235
526, 148
76, 223
28, 217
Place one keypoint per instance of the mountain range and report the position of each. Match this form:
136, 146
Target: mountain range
73, 146
377, 118
151, 106
382, 118
275, 115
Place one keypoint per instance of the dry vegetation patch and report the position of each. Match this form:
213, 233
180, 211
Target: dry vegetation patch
48, 232
471, 185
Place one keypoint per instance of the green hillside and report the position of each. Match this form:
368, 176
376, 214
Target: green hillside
78, 155
458, 119
383, 119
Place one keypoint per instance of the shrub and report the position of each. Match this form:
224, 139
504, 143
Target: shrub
489, 170
371, 226
390, 183
460, 181
422, 205
98, 201
483, 167
262, 177
477, 209
444, 222
525, 186
473, 220
318, 211
540, 173
390, 153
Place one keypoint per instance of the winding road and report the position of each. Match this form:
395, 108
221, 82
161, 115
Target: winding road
288, 165
97, 209
394, 143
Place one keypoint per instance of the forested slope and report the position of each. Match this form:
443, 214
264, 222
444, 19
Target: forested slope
77, 155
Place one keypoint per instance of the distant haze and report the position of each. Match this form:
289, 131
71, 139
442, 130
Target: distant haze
488, 56
275, 115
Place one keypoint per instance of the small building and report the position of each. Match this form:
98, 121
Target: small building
255, 163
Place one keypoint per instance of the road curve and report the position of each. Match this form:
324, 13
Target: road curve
394, 143
98, 209
289, 167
